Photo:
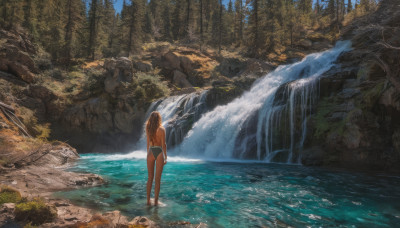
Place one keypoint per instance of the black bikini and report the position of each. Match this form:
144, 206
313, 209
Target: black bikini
156, 150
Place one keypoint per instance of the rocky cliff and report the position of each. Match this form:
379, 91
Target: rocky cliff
357, 119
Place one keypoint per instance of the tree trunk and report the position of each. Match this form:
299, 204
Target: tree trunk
220, 26
201, 22
241, 22
92, 29
256, 25
188, 17
68, 34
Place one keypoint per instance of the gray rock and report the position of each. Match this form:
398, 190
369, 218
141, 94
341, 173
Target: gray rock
306, 43
143, 66
118, 70
352, 136
171, 61
337, 116
180, 80
142, 221
348, 93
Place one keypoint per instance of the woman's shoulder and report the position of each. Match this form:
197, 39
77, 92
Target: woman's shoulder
161, 129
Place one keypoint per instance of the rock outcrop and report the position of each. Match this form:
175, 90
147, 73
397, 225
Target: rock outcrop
16, 55
111, 121
356, 121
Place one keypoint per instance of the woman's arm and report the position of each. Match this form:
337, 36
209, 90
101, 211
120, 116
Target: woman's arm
148, 144
164, 146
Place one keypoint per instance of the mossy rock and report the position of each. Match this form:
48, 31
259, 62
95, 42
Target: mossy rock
36, 212
9, 195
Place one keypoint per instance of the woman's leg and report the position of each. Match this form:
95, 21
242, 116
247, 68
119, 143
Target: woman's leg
150, 170
159, 169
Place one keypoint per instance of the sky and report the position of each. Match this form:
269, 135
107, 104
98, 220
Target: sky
118, 4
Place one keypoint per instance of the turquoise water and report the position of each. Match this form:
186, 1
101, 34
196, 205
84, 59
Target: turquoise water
229, 194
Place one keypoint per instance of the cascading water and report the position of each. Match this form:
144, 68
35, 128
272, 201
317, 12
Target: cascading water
178, 114
249, 126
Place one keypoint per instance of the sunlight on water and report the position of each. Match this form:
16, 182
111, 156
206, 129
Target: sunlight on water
241, 194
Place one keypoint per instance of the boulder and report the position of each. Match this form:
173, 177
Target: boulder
257, 66
6, 214
110, 84
305, 43
321, 45
3, 65
14, 54
109, 64
21, 72
171, 61
231, 67
118, 70
41, 92
115, 217
19, 40
180, 80
142, 221
143, 66
186, 64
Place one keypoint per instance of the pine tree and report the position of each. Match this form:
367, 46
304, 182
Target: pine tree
167, 33
29, 17
331, 9
176, 20
201, 21
92, 28
349, 6
229, 23
220, 26
239, 20
188, 13
254, 27
365, 4
136, 21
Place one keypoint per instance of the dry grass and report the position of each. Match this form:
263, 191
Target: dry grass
204, 65
93, 64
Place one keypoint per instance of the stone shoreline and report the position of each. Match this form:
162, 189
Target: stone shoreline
47, 175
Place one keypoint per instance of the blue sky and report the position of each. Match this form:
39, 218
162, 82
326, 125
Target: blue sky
118, 4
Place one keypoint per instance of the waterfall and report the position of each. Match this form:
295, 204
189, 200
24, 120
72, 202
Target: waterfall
178, 115
266, 123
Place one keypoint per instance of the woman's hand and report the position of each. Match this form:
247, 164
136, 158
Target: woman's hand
165, 161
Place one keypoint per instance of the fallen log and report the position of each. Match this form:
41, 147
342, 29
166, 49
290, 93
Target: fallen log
8, 107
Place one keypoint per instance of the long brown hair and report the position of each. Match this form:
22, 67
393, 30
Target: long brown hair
152, 124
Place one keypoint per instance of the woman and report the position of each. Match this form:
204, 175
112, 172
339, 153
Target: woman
156, 153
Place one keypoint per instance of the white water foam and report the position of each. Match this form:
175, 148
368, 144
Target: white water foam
135, 155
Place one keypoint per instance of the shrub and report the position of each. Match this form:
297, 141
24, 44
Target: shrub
9, 195
95, 81
139, 93
35, 211
153, 86
41, 131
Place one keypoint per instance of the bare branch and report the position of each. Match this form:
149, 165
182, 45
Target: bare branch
386, 45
